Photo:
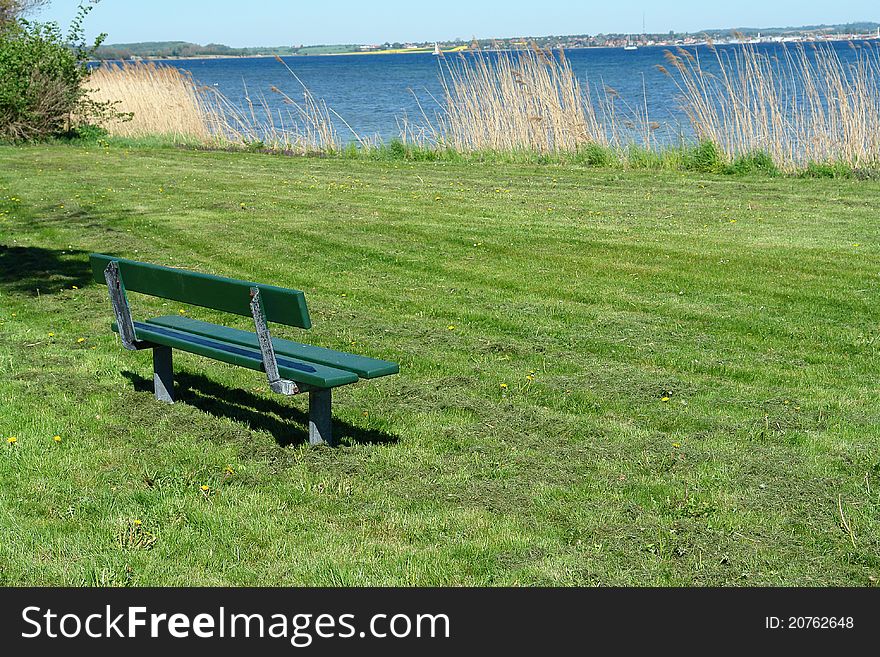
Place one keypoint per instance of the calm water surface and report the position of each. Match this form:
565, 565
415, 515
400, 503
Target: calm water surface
372, 91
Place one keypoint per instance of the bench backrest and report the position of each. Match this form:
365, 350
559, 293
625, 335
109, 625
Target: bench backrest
227, 294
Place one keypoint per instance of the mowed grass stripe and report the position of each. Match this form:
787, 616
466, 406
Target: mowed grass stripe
526, 440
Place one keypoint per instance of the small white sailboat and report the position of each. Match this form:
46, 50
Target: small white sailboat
629, 43
437, 51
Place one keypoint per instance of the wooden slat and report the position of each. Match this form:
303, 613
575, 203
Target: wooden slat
227, 294
313, 374
364, 367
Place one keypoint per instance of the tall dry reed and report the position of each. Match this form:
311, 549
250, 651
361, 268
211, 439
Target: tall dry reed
802, 105
163, 100
527, 100
166, 101
304, 126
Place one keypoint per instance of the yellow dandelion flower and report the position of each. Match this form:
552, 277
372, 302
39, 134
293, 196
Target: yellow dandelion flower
138, 523
182, 311
451, 327
503, 386
205, 488
530, 378
74, 287
51, 335
676, 445
57, 439
12, 440
229, 470
664, 399
80, 340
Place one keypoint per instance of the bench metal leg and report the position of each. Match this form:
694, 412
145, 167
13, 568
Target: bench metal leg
163, 374
320, 417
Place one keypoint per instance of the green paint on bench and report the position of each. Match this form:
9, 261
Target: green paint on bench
313, 374
229, 295
364, 367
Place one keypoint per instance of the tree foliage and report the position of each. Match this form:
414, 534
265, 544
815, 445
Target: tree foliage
12, 9
42, 72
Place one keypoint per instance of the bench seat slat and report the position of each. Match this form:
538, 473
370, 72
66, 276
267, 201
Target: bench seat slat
365, 368
309, 373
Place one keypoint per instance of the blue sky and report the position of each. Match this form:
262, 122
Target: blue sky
280, 22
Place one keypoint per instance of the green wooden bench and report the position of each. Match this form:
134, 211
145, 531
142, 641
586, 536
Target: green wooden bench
292, 368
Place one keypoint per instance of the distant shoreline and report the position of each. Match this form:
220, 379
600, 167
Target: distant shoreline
460, 50
420, 51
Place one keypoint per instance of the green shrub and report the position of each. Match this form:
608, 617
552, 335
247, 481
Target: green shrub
828, 170
397, 150
595, 155
704, 158
866, 173
757, 162
41, 79
86, 133
639, 157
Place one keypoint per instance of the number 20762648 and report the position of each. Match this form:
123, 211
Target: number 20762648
809, 622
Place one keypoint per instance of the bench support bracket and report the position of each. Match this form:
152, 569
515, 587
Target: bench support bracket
163, 374
270, 363
320, 417
119, 301
163, 371
320, 399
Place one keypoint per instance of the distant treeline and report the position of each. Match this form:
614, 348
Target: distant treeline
173, 49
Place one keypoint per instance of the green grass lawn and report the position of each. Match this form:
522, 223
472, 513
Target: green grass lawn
607, 377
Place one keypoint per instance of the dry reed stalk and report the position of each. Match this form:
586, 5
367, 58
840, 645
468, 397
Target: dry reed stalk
163, 100
528, 100
798, 106
166, 101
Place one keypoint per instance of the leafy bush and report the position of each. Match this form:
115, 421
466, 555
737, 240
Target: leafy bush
41, 79
757, 162
827, 170
705, 158
85, 133
595, 155
639, 157
397, 150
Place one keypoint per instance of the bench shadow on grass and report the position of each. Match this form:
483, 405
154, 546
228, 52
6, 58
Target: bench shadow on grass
34, 270
288, 425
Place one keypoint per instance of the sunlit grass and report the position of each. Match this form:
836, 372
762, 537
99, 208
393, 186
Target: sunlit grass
607, 377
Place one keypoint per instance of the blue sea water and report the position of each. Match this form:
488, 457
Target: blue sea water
372, 92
